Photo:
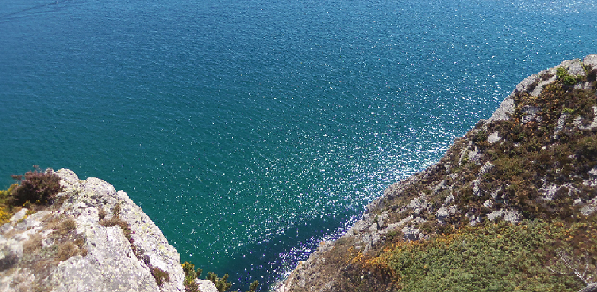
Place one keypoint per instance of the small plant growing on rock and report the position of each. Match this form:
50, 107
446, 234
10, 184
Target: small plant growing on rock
221, 283
37, 187
101, 213
116, 210
253, 286
190, 275
160, 276
564, 77
6, 210
65, 227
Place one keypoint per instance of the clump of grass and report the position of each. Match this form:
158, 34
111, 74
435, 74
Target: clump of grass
160, 276
65, 227
33, 244
66, 251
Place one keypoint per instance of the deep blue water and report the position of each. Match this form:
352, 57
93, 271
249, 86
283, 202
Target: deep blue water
251, 130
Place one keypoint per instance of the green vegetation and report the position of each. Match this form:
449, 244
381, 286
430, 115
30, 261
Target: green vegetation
534, 255
495, 257
6, 208
564, 77
253, 286
221, 283
190, 275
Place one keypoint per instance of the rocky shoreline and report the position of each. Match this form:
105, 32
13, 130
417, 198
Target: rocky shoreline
535, 158
426, 203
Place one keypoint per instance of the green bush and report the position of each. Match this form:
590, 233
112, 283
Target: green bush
221, 283
190, 275
253, 286
564, 77
6, 210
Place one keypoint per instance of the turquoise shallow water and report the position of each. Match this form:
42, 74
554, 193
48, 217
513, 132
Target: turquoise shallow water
251, 130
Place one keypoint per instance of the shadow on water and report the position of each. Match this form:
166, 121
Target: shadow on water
269, 260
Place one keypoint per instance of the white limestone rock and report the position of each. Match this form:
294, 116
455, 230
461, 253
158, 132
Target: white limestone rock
107, 260
574, 67
507, 215
494, 137
590, 60
505, 110
206, 286
110, 251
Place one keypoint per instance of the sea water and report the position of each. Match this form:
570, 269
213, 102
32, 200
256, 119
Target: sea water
250, 130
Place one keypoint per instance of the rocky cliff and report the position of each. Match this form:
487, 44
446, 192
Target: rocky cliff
92, 238
510, 206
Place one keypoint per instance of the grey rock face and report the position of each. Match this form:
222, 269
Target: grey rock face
574, 67
111, 263
504, 111
590, 60
507, 215
109, 266
206, 286
530, 114
591, 127
107, 260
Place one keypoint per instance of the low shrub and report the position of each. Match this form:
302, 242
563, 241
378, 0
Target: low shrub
190, 275
495, 257
253, 286
221, 283
37, 187
564, 77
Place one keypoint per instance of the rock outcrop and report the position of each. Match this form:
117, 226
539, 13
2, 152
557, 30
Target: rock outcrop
92, 238
534, 158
